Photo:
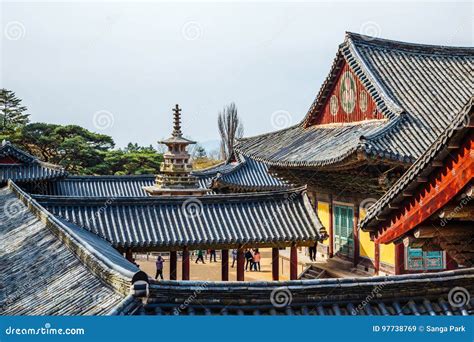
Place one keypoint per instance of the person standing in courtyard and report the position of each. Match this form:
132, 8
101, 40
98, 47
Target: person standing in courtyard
159, 267
249, 258
200, 256
234, 257
212, 253
256, 260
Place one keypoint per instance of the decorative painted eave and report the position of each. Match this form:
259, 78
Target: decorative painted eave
461, 124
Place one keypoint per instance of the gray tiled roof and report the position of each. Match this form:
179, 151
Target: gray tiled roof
100, 186
272, 218
418, 88
206, 176
460, 126
29, 168
414, 294
249, 174
50, 269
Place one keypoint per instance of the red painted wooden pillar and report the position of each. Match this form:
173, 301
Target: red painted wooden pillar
185, 263
399, 258
225, 264
331, 228
129, 254
173, 265
356, 235
377, 258
240, 264
293, 262
275, 263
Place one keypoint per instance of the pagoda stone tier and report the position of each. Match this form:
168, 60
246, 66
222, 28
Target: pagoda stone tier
175, 178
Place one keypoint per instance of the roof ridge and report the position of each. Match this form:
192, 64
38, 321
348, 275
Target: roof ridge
93, 200
407, 46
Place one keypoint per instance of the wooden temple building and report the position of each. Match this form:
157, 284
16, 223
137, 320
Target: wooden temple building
379, 174
380, 108
429, 212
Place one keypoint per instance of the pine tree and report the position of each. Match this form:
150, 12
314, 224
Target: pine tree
12, 113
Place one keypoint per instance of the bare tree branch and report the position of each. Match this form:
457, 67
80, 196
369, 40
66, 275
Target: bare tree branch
230, 128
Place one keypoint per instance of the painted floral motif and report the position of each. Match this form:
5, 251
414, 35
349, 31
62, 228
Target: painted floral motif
363, 101
333, 105
348, 92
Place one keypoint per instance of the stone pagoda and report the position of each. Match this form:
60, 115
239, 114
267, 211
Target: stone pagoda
175, 178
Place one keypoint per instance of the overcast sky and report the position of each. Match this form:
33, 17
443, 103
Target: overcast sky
119, 68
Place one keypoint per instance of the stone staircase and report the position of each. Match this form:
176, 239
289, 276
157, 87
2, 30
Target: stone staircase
313, 272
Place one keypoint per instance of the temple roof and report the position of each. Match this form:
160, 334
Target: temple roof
418, 88
48, 268
460, 126
25, 167
414, 294
248, 174
272, 218
99, 186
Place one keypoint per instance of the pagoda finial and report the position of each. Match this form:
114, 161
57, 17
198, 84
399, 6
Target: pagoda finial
177, 122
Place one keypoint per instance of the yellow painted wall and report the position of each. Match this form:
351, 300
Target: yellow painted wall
367, 247
323, 213
387, 253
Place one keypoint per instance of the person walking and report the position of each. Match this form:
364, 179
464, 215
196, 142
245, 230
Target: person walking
200, 256
159, 267
248, 258
256, 260
234, 257
212, 253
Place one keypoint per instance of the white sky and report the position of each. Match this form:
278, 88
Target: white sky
70, 61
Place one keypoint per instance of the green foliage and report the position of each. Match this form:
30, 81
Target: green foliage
81, 151
12, 113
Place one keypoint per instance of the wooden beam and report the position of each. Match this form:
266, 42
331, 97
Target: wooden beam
430, 232
240, 264
185, 264
173, 265
275, 263
293, 262
377, 258
225, 265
